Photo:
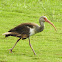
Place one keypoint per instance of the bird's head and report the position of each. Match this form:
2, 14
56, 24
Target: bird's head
44, 19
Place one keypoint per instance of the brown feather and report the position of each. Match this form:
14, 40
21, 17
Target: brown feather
22, 30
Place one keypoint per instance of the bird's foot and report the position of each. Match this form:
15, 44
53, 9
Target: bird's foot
10, 50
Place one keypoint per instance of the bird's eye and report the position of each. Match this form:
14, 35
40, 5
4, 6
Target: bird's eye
44, 18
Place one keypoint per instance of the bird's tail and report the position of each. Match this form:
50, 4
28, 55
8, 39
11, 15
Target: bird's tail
11, 34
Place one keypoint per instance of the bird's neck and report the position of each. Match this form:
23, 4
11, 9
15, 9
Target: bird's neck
41, 26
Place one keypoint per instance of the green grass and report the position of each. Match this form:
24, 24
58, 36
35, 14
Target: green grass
47, 44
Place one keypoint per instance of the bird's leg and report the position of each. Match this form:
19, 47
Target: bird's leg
31, 47
14, 45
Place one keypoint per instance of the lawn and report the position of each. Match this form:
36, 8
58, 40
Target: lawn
47, 44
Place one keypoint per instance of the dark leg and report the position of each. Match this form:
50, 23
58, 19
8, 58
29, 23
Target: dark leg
31, 47
14, 46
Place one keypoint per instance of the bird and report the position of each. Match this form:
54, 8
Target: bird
25, 30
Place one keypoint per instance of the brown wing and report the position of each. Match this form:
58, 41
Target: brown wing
23, 28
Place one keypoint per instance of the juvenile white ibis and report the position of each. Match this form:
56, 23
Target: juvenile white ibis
25, 30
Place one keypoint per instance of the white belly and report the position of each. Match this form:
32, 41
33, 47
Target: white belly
32, 31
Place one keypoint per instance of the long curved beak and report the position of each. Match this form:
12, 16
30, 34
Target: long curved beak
50, 23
